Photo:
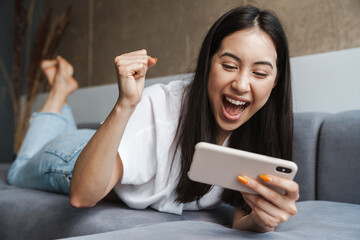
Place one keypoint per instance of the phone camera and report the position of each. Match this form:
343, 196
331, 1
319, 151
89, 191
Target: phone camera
283, 169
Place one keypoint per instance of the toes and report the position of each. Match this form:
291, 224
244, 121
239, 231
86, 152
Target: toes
48, 63
49, 67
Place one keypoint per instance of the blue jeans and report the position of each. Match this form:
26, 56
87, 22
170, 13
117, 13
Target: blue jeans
49, 151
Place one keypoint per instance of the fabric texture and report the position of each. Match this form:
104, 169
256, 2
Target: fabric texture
315, 220
32, 214
48, 152
147, 151
339, 157
53, 144
307, 128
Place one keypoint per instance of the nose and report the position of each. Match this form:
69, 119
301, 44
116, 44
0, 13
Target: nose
241, 83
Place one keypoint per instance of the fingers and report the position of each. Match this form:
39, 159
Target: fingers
291, 188
152, 61
262, 218
271, 207
140, 55
269, 214
131, 69
134, 64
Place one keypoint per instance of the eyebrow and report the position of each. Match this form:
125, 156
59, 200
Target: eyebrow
230, 55
238, 59
264, 63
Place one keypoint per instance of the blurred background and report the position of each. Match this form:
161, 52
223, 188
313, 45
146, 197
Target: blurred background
172, 31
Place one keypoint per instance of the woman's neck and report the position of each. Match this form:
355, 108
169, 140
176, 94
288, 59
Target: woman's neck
221, 135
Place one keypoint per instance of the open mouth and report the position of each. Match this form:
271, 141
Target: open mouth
233, 108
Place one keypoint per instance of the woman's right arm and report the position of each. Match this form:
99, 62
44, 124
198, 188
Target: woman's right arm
99, 166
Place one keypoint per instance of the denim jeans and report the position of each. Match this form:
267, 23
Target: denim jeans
49, 151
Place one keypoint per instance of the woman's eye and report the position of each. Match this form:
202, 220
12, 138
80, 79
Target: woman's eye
260, 74
229, 66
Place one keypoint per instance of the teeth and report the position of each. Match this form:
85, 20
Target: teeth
233, 101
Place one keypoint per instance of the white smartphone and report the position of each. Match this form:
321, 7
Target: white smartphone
216, 165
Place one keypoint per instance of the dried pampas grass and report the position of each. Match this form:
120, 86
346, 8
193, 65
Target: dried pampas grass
47, 39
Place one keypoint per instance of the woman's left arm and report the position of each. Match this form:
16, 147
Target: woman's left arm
269, 208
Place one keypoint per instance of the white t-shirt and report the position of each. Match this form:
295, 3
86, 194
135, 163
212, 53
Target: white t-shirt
147, 150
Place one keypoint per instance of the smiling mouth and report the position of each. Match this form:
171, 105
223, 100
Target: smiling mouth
233, 108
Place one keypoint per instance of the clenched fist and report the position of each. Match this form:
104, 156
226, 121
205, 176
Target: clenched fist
131, 69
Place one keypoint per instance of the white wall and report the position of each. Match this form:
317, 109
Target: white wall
328, 82
93, 104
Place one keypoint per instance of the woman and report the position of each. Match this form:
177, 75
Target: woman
240, 97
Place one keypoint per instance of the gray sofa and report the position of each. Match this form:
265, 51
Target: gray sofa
326, 149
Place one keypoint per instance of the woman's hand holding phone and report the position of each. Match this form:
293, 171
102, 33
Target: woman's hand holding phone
269, 207
131, 69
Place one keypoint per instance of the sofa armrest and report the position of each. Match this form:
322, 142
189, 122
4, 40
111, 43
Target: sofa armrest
339, 158
307, 127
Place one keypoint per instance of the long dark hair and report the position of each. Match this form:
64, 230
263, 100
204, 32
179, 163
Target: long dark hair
269, 131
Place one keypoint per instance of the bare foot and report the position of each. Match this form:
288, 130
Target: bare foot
63, 80
59, 73
49, 67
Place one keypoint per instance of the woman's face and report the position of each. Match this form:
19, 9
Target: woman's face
241, 78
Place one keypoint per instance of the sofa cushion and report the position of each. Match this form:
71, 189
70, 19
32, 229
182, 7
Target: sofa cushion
4, 168
33, 214
88, 125
315, 220
339, 158
306, 136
